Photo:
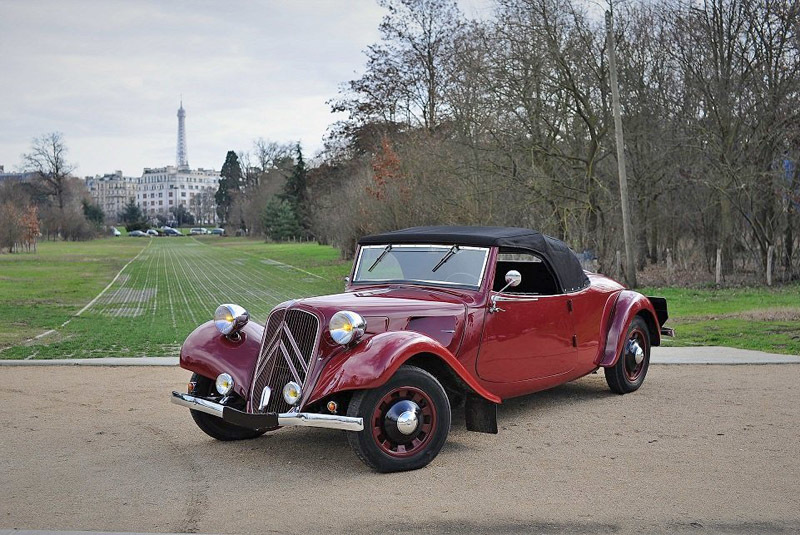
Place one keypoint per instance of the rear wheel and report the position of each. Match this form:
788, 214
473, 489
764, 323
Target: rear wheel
211, 425
628, 373
406, 421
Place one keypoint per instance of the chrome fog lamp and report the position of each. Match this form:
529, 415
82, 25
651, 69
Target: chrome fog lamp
346, 326
292, 392
224, 384
230, 319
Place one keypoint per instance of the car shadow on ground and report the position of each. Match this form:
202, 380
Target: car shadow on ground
584, 390
325, 453
320, 450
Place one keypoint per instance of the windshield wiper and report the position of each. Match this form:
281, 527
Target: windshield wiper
377, 260
453, 250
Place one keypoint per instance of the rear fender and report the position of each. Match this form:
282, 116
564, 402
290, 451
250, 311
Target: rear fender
209, 353
372, 363
628, 305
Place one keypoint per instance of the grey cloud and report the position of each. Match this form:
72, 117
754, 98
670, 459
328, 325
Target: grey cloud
108, 74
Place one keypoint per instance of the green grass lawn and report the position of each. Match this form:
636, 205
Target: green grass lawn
173, 286
40, 291
766, 319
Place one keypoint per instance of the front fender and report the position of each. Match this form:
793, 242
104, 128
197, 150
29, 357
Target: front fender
209, 353
372, 363
628, 305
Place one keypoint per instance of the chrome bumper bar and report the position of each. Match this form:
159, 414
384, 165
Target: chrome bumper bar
285, 419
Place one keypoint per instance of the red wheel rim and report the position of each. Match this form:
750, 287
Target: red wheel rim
633, 369
388, 440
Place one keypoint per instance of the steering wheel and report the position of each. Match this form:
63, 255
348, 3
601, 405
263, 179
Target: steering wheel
470, 278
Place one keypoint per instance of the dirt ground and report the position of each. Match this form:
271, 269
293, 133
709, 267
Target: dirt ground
697, 449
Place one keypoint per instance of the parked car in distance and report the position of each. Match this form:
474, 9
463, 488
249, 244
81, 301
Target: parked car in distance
430, 317
217, 231
198, 230
115, 232
138, 234
169, 231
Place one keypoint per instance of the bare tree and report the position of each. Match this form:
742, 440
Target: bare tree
407, 74
48, 159
508, 121
271, 154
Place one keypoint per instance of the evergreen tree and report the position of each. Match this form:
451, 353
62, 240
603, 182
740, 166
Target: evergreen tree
229, 185
133, 217
93, 213
182, 215
295, 191
280, 221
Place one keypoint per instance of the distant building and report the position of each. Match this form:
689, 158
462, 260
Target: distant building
19, 177
112, 192
164, 188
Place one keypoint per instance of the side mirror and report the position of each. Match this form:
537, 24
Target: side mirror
513, 279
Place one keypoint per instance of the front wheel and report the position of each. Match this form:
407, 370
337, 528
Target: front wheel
211, 425
406, 421
628, 373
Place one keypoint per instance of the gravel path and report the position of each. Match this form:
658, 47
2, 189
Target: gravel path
697, 449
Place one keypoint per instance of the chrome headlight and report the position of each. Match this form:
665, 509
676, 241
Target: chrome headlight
224, 384
230, 319
292, 392
346, 326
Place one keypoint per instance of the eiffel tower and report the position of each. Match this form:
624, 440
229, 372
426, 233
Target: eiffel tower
181, 159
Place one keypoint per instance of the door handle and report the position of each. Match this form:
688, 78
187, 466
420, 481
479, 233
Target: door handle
494, 308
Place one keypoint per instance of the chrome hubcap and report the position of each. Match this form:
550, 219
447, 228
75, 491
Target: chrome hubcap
407, 422
636, 351
402, 419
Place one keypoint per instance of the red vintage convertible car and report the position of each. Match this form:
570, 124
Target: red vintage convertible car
432, 317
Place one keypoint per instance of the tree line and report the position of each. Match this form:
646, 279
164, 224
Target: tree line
508, 121
51, 204
263, 192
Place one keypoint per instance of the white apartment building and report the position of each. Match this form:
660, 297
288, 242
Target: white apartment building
164, 188
112, 192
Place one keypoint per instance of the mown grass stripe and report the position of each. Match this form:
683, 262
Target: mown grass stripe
93, 301
169, 287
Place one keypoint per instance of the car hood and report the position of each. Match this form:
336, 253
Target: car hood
437, 314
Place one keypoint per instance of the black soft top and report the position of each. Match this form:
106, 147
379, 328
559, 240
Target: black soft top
556, 253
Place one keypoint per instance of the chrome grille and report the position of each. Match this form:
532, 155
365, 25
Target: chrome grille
290, 338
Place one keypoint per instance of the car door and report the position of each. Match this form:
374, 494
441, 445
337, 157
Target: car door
528, 333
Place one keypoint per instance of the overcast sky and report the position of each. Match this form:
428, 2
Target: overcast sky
109, 74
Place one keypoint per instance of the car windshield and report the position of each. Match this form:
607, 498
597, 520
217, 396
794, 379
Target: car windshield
446, 265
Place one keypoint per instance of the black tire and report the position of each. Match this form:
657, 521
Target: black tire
211, 425
627, 375
381, 445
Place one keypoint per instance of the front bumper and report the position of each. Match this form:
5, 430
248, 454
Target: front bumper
268, 420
